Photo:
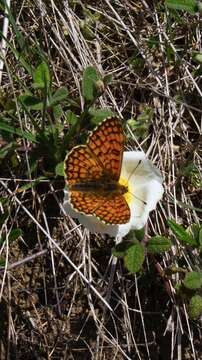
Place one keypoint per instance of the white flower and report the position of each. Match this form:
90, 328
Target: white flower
145, 189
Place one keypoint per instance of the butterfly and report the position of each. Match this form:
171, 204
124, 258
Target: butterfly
92, 173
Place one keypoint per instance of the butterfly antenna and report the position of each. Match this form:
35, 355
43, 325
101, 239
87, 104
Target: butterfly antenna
139, 162
136, 197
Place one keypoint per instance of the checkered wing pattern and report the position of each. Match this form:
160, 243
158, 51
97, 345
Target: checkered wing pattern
111, 210
98, 162
107, 145
81, 166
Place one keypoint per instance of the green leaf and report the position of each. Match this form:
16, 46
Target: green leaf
135, 235
200, 238
3, 217
59, 169
71, 118
42, 76
2, 261
197, 56
187, 5
181, 234
134, 257
193, 173
120, 249
139, 234
2, 239
158, 244
193, 280
6, 149
57, 111
140, 125
186, 206
136, 61
153, 41
107, 79
19, 36
90, 77
199, 4
14, 234
13, 130
21, 40
4, 201
14, 160
195, 307
97, 115
86, 31
60, 95
31, 184
195, 230
32, 102
188, 170
170, 54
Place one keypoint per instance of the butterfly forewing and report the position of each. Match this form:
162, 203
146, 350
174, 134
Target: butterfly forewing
81, 166
107, 144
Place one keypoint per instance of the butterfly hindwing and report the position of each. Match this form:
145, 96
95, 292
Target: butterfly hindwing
110, 209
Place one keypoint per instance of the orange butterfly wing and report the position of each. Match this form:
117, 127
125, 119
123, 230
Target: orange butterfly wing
111, 210
100, 160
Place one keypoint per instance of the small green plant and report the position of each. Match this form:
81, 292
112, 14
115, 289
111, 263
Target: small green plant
189, 237
133, 251
55, 112
45, 103
192, 173
57, 120
191, 286
140, 125
88, 24
137, 62
191, 6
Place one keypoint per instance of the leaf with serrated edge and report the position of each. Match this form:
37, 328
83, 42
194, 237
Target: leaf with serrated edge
158, 244
193, 280
134, 258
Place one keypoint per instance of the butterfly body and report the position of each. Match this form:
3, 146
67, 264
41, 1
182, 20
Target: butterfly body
93, 172
104, 187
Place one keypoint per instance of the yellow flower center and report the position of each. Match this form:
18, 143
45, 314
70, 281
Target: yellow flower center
128, 195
